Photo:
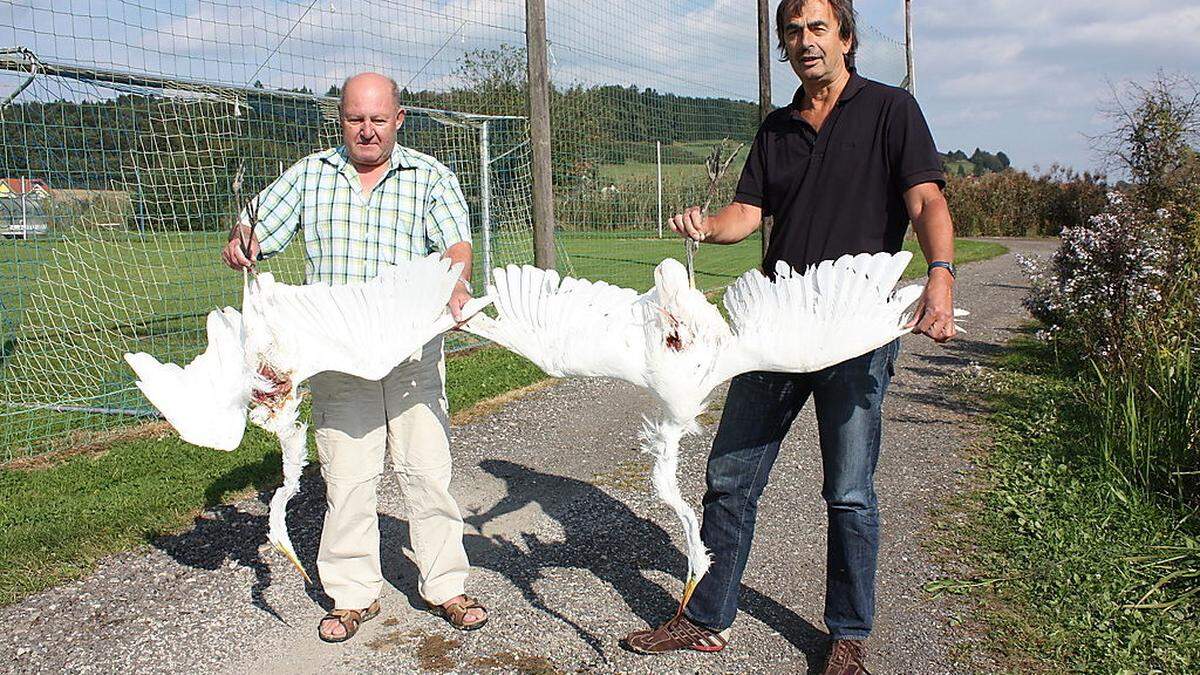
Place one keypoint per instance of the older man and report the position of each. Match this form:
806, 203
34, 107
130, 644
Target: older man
843, 169
361, 206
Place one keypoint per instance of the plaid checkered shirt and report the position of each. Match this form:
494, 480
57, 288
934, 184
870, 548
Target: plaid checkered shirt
415, 209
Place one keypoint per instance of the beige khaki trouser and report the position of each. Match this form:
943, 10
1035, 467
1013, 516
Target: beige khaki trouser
357, 420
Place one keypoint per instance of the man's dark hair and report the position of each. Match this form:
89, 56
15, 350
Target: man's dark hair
842, 9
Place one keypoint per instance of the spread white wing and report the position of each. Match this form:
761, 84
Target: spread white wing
567, 326
363, 329
834, 311
206, 400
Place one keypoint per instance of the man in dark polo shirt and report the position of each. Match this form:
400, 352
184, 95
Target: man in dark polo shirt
843, 170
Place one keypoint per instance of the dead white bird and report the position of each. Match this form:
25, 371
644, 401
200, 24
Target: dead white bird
286, 334
675, 343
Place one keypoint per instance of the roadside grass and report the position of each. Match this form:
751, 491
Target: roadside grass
62, 513
56, 522
1063, 559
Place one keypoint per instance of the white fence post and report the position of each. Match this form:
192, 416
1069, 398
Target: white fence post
485, 197
658, 146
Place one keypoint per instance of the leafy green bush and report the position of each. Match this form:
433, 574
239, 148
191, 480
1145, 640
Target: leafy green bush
1013, 203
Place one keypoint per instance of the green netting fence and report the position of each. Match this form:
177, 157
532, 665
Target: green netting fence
124, 124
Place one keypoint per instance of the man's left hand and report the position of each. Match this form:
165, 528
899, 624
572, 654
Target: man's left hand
458, 298
935, 309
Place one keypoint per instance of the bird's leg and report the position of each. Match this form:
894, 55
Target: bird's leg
691, 247
716, 168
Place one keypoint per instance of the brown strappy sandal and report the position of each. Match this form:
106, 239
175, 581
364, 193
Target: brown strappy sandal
456, 613
350, 619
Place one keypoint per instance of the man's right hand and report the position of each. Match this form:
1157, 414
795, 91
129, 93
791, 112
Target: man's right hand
235, 254
691, 224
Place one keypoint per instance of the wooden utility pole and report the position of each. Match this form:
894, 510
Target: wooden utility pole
764, 86
538, 72
908, 48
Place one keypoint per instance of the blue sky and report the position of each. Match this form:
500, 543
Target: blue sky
1030, 76
1024, 76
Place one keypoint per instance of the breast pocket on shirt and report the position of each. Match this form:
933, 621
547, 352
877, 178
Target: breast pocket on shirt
398, 225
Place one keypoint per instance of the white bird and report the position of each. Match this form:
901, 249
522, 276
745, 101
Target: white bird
285, 335
675, 343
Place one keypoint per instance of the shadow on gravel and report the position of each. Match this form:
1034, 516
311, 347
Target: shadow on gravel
224, 534
953, 357
600, 534
605, 537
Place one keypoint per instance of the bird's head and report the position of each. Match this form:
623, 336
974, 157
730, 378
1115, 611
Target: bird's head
686, 314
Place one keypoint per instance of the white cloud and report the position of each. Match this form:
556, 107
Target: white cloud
1041, 69
1024, 76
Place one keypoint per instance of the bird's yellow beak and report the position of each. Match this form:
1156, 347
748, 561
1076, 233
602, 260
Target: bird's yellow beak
291, 556
689, 587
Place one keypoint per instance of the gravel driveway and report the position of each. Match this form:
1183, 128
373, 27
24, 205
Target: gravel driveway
572, 550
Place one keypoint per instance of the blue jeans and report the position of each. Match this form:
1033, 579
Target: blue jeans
759, 410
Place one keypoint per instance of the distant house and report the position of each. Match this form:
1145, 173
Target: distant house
31, 188
23, 208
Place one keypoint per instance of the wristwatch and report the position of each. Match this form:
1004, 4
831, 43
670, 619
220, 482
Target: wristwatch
948, 266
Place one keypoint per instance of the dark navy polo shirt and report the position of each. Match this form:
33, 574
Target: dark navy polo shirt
840, 190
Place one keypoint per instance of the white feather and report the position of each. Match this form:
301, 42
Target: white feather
566, 326
661, 440
206, 400
846, 308
362, 329
285, 424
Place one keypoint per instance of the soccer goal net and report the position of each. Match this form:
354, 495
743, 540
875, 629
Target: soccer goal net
115, 247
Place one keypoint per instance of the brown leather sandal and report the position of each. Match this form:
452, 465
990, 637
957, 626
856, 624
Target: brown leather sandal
350, 619
456, 612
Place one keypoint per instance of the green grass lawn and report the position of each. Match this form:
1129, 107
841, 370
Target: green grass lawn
673, 171
631, 262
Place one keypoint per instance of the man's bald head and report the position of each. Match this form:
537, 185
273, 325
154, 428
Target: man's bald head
372, 82
371, 115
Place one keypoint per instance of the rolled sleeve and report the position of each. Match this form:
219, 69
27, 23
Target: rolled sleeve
446, 220
278, 211
911, 148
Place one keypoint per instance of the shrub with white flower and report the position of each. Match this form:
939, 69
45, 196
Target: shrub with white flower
1105, 286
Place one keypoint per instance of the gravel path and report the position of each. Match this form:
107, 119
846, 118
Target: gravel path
572, 551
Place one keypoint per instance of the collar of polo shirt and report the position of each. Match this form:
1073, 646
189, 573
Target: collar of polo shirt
854, 85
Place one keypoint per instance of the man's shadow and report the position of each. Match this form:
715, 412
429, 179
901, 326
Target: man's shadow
600, 534
604, 536
225, 533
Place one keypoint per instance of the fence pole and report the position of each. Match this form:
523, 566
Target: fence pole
764, 89
658, 149
485, 198
538, 72
24, 215
908, 48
